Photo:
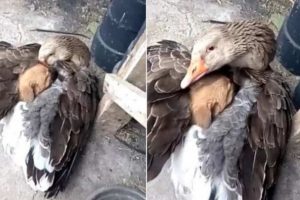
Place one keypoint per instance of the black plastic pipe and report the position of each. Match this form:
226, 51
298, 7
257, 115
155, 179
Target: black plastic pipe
288, 46
120, 26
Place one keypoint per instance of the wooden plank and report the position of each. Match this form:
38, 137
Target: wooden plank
134, 67
110, 117
133, 70
130, 98
138, 75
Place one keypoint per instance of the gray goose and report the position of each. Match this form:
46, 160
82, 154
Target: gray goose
241, 151
247, 47
171, 110
64, 48
53, 129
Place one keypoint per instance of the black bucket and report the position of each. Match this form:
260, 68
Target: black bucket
117, 193
296, 97
288, 41
120, 26
288, 46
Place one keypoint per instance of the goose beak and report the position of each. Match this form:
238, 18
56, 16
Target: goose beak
195, 71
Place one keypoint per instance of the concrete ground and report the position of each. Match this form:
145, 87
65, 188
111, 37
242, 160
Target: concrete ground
182, 21
106, 161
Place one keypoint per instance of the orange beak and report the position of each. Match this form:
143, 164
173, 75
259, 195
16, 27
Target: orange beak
195, 71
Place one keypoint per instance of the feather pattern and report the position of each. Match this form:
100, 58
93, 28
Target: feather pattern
269, 130
252, 37
206, 163
63, 131
45, 136
168, 111
186, 176
288, 183
270, 121
224, 141
167, 63
171, 110
248, 47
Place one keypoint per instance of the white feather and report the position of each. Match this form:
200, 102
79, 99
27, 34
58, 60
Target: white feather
15, 144
186, 176
40, 162
222, 189
43, 184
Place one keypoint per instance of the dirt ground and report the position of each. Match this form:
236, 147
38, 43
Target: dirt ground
106, 160
182, 21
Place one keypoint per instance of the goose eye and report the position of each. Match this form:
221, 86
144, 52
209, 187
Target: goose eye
211, 48
49, 55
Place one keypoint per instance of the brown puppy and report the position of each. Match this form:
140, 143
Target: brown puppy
33, 81
17, 67
209, 97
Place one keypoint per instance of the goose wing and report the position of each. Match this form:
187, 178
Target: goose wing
222, 142
269, 130
284, 188
168, 107
167, 63
62, 127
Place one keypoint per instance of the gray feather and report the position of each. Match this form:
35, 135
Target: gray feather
41, 113
224, 139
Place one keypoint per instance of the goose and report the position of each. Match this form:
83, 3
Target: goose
64, 48
204, 165
46, 136
239, 154
247, 47
171, 110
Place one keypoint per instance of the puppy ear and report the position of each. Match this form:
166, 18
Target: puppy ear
203, 115
43, 80
33, 81
26, 93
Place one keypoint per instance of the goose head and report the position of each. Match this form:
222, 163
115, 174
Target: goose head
52, 51
246, 44
64, 48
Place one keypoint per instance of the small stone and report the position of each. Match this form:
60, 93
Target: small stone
32, 7
277, 19
92, 27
